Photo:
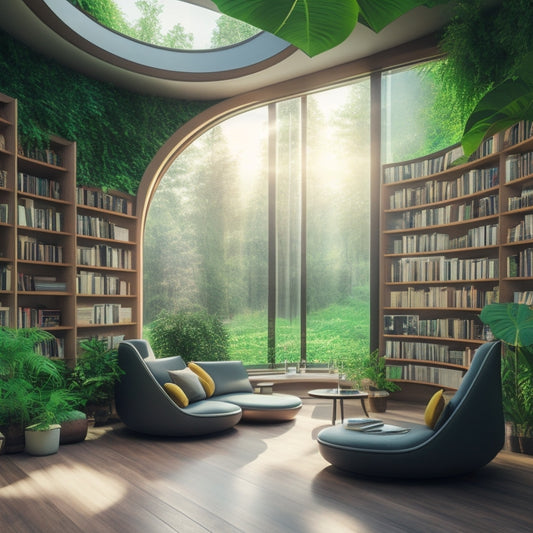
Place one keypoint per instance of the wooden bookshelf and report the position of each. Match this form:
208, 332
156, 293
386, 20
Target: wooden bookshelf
46, 223
454, 238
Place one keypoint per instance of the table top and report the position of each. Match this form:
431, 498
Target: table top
337, 393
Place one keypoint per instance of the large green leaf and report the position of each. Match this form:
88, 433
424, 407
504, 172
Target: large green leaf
512, 323
311, 25
316, 26
377, 15
506, 104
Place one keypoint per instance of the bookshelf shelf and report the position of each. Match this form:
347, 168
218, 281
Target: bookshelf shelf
453, 234
40, 246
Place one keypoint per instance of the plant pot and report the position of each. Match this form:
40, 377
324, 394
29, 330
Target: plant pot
42, 442
14, 439
73, 430
517, 443
377, 401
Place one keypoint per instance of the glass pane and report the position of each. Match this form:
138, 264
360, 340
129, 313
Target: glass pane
417, 114
338, 218
288, 230
205, 243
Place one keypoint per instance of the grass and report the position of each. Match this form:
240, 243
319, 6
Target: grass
336, 334
339, 332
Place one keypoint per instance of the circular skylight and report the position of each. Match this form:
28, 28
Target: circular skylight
251, 55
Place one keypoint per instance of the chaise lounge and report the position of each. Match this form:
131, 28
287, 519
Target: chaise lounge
146, 403
468, 434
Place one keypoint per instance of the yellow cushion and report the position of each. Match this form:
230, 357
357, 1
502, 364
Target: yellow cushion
177, 394
434, 409
205, 379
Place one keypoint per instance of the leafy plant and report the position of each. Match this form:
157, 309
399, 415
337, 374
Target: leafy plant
513, 324
315, 26
32, 388
196, 336
375, 370
95, 374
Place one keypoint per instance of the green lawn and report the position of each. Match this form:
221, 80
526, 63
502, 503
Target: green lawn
338, 332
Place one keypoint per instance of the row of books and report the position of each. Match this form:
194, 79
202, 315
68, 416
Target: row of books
3, 178
522, 231
4, 213
441, 268
487, 147
39, 186
426, 351
523, 297
474, 181
438, 216
48, 218
429, 242
454, 328
98, 227
517, 133
518, 166
524, 200
418, 169
103, 200
4, 315
30, 317
445, 377
30, 282
31, 249
469, 297
103, 255
5, 277
51, 347
45, 155
521, 264
103, 314
88, 282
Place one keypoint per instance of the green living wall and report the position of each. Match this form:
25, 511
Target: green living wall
117, 132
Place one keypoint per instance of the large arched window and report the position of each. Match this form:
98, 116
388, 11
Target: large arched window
264, 221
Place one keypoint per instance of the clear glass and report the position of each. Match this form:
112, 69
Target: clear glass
205, 243
338, 224
288, 229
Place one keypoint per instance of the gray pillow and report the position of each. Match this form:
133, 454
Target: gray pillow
189, 383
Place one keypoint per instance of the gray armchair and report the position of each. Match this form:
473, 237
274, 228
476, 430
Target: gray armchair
144, 406
468, 435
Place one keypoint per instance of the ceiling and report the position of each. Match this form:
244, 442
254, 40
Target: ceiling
35, 22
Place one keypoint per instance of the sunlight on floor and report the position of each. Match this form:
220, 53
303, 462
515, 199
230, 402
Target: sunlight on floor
89, 493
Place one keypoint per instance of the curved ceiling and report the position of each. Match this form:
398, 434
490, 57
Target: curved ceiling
58, 30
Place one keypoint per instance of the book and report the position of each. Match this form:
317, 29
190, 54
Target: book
387, 429
362, 424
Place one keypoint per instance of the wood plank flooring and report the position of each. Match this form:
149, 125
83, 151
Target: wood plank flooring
254, 478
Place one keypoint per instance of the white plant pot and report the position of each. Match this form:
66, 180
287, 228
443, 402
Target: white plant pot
42, 442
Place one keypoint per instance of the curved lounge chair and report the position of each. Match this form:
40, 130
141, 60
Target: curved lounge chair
144, 406
468, 435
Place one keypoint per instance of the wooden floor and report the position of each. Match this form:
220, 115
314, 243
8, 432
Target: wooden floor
255, 478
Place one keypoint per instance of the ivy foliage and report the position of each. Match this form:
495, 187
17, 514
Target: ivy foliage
117, 131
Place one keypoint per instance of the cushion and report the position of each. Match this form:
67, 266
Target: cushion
205, 379
434, 409
188, 381
177, 394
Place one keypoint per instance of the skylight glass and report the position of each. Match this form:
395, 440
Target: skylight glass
177, 24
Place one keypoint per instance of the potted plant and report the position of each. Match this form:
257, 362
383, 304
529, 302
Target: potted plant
94, 378
32, 388
380, 386
513, 324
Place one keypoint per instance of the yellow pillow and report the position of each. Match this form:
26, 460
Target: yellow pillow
177, 394
205, 379
434, 409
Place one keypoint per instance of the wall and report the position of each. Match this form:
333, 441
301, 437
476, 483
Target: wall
118, 132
